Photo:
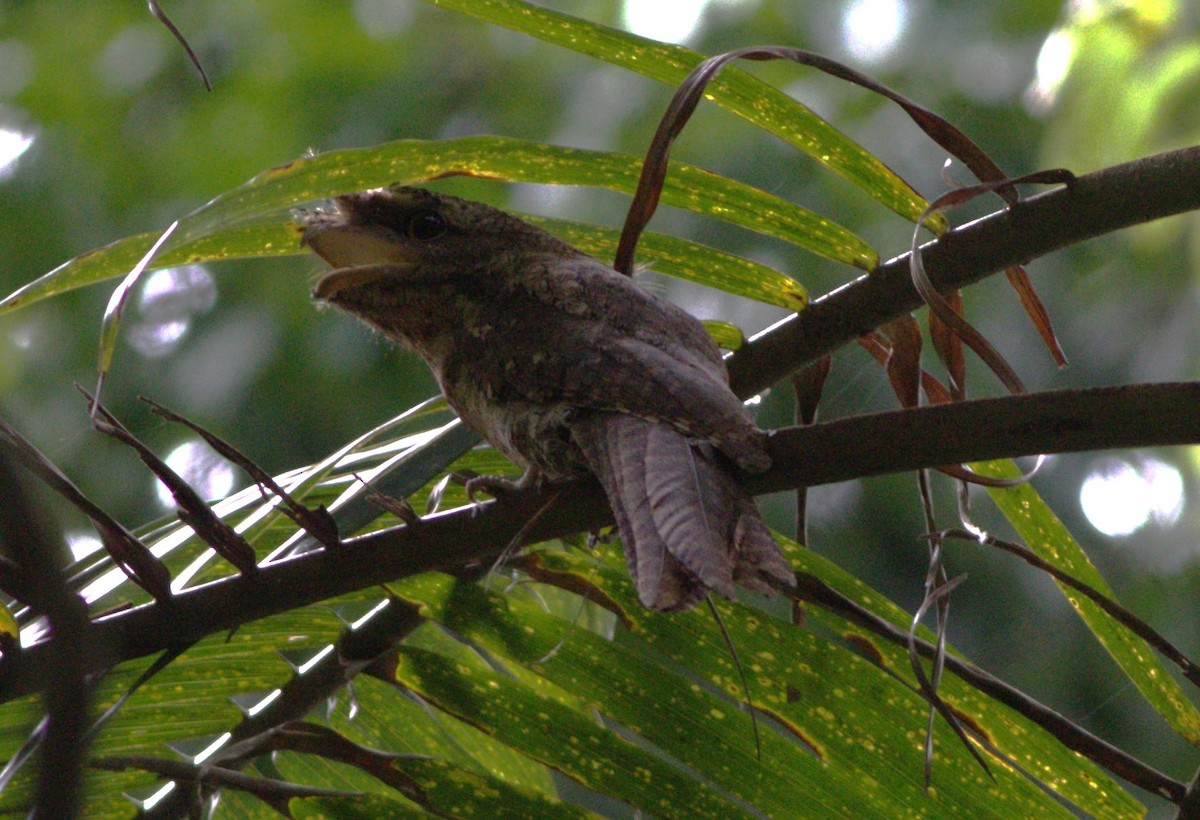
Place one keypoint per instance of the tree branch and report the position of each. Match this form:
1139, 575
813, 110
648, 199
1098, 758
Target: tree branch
1131, 416
1141, 415
29, 563
1068, 421
1098, 203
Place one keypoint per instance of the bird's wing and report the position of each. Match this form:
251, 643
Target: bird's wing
586, 288
596, 340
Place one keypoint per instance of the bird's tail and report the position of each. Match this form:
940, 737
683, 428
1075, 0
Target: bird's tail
686, 524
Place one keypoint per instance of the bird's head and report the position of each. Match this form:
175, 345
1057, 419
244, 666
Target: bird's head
391, 239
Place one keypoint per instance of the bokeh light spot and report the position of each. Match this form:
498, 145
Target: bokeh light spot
1053, 64
671, 21
381, 19
873, 28
168, 301
133, 58
12, 145
201, 467
16, 67
1120, 498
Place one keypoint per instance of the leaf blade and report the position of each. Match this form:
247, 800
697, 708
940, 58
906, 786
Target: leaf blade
739, 92
1046, 535
233, 224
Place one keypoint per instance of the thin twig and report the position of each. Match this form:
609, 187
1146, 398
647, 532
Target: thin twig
318, 523
813, 589
737, 663
192, 510
1114, 610
161, 16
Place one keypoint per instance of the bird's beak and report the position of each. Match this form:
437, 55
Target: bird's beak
343, 245
343, 279
360, 253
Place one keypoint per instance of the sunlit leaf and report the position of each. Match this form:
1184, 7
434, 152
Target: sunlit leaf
804, 682
1045, 534
219, 229
1035, 750
727, 336
568, 740
736, 90
690, 261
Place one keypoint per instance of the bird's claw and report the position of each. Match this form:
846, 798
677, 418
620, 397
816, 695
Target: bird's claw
493, 485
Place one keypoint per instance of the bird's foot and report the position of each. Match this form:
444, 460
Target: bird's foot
493, 485
498, 486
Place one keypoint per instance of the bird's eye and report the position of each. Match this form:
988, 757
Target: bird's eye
426, 226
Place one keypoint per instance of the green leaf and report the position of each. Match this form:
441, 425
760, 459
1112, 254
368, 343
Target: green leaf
446, 790
1045, 534
733, 89
558, 735
836, 753
727, 336
350, 807
219, 229
690, 261
188, 700
8, 625
1040, 754
504, 158
117, 258
390, 720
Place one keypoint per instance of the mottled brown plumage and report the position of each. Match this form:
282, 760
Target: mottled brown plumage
567, 367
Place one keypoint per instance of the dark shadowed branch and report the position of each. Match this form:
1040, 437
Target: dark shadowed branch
1125, 416
30, 559
1067, 421
1098, 203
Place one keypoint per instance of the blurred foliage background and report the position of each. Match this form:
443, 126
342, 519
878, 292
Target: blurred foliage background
107, 131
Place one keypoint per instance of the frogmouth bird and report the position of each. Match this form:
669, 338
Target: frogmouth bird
568, 368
